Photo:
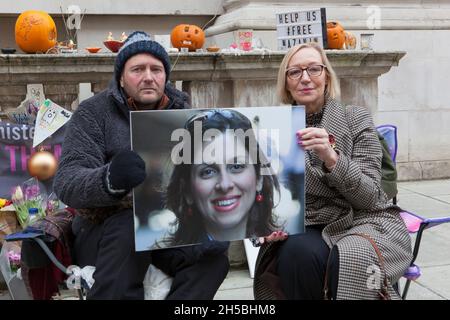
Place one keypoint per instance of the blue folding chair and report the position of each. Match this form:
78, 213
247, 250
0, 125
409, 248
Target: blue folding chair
414, 223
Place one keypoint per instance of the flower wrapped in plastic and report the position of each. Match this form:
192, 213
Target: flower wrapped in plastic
14, 260
53, 204
29, 195
20, 206
10, 260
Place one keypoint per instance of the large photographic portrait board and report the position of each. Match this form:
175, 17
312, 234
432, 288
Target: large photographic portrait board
217, 174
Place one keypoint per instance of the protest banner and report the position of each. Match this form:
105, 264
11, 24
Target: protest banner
16, 147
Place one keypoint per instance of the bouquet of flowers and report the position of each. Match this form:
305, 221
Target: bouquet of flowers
14, 260
27, 196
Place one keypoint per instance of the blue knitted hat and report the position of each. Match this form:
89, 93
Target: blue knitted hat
140, 42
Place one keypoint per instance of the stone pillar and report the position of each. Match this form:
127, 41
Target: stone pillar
360, 91
98, 86
254, 93
209, 94
259, 16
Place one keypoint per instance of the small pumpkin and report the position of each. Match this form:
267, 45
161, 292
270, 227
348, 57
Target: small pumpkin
350, 41
35, 31
335, 35
187, 36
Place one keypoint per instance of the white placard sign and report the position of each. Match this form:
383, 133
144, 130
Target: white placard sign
301, 26
49, 119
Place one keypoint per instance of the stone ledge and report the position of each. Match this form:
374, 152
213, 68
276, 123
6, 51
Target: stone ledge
254, 65
423, 170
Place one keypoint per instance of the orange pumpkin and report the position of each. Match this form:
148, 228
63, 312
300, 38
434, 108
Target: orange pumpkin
187, 36
335, 35
35, 31
350, 41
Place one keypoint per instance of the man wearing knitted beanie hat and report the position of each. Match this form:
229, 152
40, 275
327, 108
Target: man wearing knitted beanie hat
98, 170
142, 69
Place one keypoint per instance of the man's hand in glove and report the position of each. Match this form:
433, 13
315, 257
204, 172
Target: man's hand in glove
126, 171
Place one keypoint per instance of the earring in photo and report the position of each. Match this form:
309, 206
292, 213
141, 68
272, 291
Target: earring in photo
259, 197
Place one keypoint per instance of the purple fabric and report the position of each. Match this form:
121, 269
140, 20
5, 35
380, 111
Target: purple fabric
413, 221
389, 133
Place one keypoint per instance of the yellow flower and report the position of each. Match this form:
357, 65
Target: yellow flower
2, 202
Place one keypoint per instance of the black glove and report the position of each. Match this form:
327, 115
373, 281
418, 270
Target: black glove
126, 171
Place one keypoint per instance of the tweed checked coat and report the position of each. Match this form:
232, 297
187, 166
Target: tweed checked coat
350, 200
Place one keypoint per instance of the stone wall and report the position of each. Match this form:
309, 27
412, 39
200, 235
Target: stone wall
414, 96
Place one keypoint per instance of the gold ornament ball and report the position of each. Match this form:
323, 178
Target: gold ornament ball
42, 165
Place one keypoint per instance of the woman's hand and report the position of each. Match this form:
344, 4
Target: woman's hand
318, 141
274, 236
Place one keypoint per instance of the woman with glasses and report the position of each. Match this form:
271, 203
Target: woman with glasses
356, 245
228, 198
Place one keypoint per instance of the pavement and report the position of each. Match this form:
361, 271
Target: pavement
426, 198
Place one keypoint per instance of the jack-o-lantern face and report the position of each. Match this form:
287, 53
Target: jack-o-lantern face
35, 31
335, 35
187, 36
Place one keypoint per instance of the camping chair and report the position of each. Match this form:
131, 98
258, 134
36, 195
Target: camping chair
414, 223
38, 246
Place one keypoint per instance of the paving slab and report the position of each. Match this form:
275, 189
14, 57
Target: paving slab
418, 292
237, 286
424, 205
428, 187
445, 198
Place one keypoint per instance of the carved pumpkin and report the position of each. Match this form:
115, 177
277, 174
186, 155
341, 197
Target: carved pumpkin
335, 35
35, 31
350, 41
187, 36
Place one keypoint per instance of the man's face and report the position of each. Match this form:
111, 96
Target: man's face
143, 79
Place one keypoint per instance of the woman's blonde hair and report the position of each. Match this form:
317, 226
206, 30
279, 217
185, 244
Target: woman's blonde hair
332, 86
